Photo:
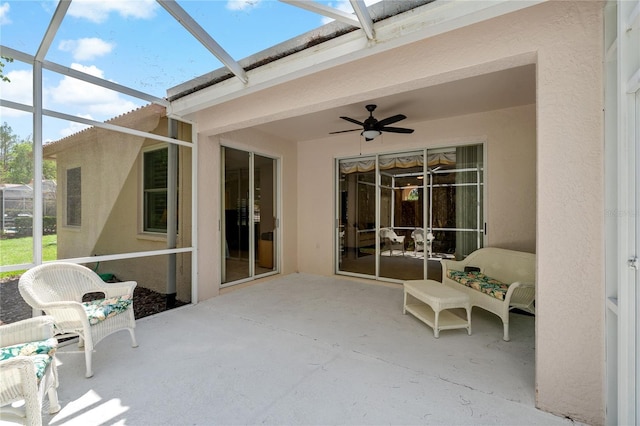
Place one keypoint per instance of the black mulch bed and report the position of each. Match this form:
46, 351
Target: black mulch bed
13, 308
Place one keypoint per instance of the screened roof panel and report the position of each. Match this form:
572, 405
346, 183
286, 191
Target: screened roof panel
138, 45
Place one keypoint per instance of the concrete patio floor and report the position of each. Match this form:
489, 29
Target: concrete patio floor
304, 349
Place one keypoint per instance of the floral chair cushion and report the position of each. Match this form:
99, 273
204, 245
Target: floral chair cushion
101, 309
42, 352
479, 281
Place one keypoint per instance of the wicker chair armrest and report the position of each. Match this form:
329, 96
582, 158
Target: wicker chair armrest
18, 380
514, 289
29, 330
18, 362
118, 289
67, 304
455, 265
66, 313
23, 365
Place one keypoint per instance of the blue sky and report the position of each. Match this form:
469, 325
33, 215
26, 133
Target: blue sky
135, 43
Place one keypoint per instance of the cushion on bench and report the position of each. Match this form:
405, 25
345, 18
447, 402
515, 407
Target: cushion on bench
42, 352
101, 309
479, 281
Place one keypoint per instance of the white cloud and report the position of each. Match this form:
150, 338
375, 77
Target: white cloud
97, 101
99, 10
242, 4
91, 70
86, 49
4, 14
18, 90
69, 95
74, 127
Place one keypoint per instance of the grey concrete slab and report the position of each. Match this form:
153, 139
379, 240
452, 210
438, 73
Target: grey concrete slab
304, 349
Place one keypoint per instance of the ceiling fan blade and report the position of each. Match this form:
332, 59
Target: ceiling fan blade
345, 131
396, 130
359, 123
391, 120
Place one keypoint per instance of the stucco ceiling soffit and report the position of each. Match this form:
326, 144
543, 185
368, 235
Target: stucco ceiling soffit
422, 22
289, 68
380, 12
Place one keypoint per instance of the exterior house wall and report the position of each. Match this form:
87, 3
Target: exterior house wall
111, 214
564, 41
209, 179
509, 136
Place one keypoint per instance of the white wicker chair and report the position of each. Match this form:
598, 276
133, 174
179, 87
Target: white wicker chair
391, 239
18, 379
57, 289
418, 240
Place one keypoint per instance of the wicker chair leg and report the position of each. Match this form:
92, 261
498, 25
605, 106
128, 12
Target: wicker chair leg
87, 356
506, 332
134, 343
54, 405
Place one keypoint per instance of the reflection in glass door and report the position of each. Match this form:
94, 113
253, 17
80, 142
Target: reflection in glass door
456, 191
264, 213
400, 214
249, 216
356, 230
401, 189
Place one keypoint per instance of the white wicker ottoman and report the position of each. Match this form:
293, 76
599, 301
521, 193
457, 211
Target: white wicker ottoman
429, 300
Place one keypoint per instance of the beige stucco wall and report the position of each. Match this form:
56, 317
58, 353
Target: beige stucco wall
111, 214
97, 162
509, 138
564, 40
209, 214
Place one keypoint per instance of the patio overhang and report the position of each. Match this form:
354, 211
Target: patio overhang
332, 45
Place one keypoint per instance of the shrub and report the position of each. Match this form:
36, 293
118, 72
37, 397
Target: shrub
49, 225
24, 225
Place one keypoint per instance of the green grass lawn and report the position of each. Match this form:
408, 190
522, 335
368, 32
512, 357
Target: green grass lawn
15, 251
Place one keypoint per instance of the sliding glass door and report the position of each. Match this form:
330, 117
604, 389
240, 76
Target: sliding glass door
249, 215
399, 214
401, 223
356, 230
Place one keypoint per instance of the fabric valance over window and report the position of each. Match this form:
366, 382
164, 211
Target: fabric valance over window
400, 162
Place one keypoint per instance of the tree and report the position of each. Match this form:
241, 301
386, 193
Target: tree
2, 64
16, 159
21, 164
7, 140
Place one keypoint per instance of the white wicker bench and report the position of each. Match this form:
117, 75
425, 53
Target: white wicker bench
514, 272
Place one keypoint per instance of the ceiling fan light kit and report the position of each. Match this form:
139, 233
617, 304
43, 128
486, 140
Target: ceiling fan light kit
370, 135
372, 128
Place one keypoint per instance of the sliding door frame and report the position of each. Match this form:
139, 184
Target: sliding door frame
277, 249
426, 207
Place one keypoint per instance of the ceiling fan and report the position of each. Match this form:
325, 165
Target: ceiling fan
371, 127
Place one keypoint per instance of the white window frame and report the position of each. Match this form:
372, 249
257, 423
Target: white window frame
143, 191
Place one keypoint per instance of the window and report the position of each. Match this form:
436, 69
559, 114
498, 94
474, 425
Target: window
74, 197
155, 190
